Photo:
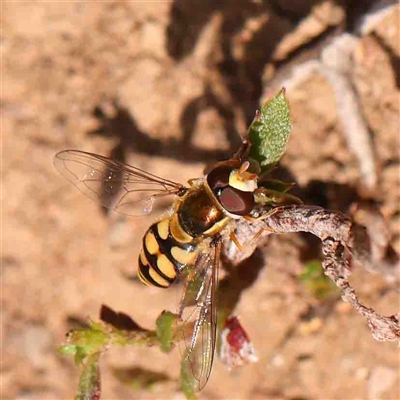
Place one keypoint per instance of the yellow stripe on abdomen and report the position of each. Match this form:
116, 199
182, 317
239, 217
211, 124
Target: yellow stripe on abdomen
163, 228
143, 270
166, 266
183, 256
158, 278
151, 244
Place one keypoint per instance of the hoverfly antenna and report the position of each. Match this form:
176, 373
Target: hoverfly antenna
244, 167
243, 180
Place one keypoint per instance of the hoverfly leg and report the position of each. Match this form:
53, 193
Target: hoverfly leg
263, 216
242, 247
235, 240
256, 236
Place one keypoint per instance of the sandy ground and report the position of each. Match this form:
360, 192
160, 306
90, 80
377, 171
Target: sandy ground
168, 86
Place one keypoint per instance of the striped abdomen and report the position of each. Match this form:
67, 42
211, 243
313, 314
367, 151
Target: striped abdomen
166, 250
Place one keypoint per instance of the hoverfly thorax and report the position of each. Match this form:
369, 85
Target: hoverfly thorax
233, 188
199, 214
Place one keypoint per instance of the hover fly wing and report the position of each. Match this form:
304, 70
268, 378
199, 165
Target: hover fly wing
127, 190
198, 310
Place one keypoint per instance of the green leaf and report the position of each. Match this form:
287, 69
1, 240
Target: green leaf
89, 381
194, 281
68, 349
270, 197
316, 281
269, 132
87, 345
82, 343
275, 184
187, 381
80, 355
86, 341
165, 330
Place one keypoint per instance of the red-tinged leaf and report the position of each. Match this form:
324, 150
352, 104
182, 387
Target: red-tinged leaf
236, 348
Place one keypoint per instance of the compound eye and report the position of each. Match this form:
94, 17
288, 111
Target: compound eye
218, 178
236, 201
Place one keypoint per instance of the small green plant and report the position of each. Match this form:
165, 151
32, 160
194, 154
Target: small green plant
316, 282
115, 330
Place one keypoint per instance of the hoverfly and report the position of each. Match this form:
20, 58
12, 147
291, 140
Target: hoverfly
186, 242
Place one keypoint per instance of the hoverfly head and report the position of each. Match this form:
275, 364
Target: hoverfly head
233, 188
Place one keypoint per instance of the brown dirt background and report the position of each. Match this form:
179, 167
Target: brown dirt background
168, 86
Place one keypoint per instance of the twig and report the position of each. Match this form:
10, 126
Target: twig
383, 328
337, 233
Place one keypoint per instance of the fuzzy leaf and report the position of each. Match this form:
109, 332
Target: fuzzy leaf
270, 197
165, 330
275, 184
84, 342
269, 132
187, 381
316, 281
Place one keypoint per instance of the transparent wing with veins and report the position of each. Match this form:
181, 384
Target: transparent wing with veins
198, 311
127, 190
